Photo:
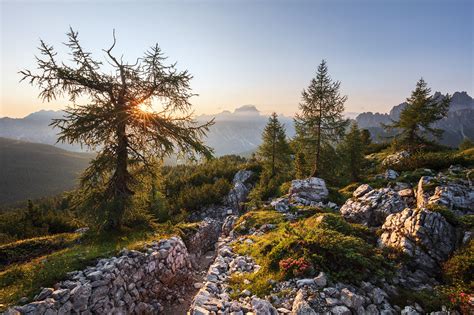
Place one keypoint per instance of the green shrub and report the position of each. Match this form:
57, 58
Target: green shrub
347, 191
414, 176
346, 252
41, 217
429, 300
445, 212
376, 147
459, 277
28, 249
458, 269
189, 188
255, 219
436, 160
467, 221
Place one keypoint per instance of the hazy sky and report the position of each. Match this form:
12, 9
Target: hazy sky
257, 52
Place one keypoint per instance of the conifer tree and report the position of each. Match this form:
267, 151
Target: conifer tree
352, 150
275, 151
118, 119
320, 122
421, 111
366, 138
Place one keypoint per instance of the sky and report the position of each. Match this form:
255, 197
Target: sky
255, 52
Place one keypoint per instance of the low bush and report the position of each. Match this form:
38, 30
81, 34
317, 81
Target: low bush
323, 242
25, 250
446, 213
377, 147
436, 160
459, 277
189, 188
37, 218
458, 269
429, 300
255, 219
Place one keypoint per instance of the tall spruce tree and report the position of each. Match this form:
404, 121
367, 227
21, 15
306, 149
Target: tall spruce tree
275, 151
421, 111
352, 149
117, 119
320, 123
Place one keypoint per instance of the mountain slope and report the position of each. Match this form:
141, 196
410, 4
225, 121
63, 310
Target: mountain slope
33, 170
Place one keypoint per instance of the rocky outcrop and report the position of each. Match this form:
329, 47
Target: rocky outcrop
424, 235
454, 194
308, 190
233, 201
395, 159
132, 283
240, 190
371, 206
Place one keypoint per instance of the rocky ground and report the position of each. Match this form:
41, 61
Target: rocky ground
402, 214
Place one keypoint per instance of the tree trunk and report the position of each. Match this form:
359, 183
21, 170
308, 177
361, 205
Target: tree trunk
273, 152
119, 184
318, 150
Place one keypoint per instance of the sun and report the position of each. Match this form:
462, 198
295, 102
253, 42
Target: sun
146, 108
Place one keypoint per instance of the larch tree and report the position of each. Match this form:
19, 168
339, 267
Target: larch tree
320, 122
275, 151
119, 120
421, 111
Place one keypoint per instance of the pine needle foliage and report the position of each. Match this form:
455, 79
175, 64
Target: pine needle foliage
416, 119
275, 151
320, 122
118, 119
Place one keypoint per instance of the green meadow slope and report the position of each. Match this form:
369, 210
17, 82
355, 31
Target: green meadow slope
33, 170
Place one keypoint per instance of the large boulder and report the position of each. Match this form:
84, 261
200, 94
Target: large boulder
371, 206
308, 190
424, 235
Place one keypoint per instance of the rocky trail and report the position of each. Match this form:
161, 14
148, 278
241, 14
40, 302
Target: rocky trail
182, 305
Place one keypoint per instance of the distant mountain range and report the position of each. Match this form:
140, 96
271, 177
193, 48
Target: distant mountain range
239, 132
33, 170
235, 132
458, 124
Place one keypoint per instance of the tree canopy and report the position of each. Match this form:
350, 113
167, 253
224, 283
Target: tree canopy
320, 122
416, 119
275, 151
119, 118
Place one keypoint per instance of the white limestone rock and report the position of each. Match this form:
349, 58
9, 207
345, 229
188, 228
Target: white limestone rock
424, 235
311, 189
372, 206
